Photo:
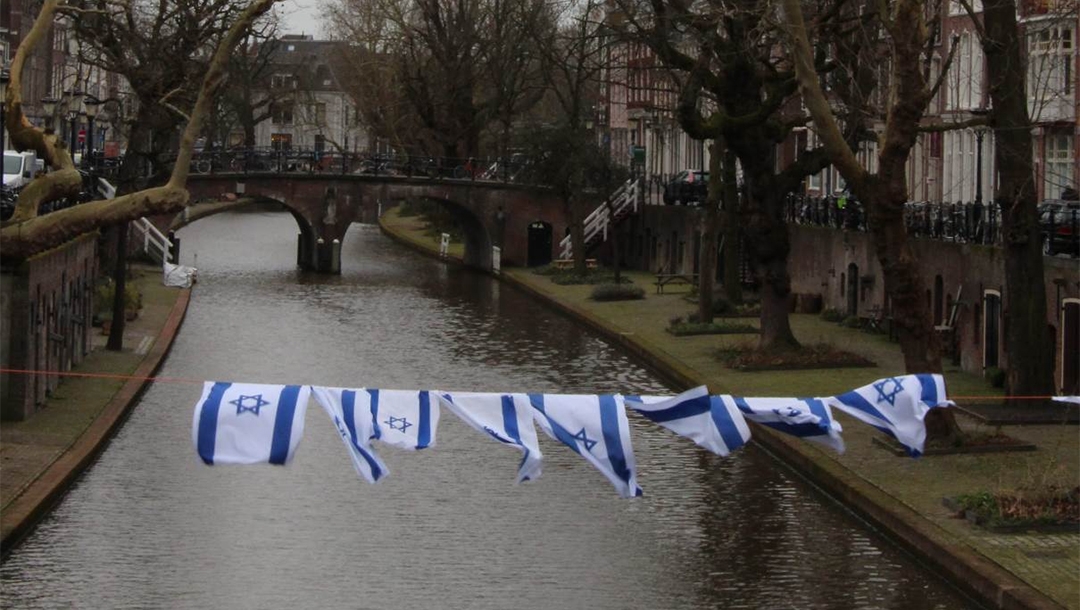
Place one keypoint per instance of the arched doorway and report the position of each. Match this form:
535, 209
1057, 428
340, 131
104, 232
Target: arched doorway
852, 289
539, 244
991, 327
1070, 347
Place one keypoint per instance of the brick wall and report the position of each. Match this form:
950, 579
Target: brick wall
45, 315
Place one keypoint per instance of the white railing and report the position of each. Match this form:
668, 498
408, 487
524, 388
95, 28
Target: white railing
155, 244
596, 223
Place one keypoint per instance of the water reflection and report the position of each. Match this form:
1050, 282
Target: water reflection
150, 527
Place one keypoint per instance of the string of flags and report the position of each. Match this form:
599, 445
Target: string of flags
244, 423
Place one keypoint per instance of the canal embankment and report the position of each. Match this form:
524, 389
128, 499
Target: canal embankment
898, 496
43, 455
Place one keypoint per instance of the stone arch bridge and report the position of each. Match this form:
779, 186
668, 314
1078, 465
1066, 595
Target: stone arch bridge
524, 222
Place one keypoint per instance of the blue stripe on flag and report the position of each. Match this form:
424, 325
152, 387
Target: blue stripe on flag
283, 422
740, 402
208, 421
686, 408
348, 407
423, 437
609, 423
724, 424
857, 401
564, 436
376, 430
929, 395
818, 408
510, 423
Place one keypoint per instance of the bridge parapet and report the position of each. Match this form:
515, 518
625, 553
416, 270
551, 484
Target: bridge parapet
325, 206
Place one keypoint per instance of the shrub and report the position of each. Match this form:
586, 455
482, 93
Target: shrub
617, 292
832, 315
682, 329
996, 376
103, 299
851, 322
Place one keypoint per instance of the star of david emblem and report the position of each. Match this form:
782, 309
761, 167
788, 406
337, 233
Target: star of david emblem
588, 442
890, 395
397, 423
241, 408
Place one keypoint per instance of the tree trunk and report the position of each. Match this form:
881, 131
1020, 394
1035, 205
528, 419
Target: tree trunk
710, 226
1030, 370
730, 219
119, 318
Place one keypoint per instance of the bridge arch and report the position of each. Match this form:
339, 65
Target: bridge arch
490, 213
307, 239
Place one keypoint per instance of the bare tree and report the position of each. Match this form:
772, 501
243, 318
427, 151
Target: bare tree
906, 95
737, 89
1031, 359
28, 233
434, 74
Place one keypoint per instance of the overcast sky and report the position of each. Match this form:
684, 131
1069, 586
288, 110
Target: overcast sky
300, 16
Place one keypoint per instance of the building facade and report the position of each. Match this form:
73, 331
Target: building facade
310, 108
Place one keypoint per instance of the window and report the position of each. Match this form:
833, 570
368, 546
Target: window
1050, 64
1059, 166
965, 79
283, 113
281, 141
283, 81
319, 112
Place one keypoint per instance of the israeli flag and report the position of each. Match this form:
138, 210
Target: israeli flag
712, 424
596, 428
506, 418
356, 425
896, 406
406, 419
807, 418
246, 423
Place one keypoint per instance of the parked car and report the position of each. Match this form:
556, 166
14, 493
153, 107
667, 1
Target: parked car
1059, 221
20, 168
688, 186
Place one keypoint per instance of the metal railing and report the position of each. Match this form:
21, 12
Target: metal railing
154, 242
512, 169
623, 201
971, 223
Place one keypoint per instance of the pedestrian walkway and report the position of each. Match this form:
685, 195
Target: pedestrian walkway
898, 495
41, 456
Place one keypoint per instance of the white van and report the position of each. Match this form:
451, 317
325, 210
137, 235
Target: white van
19, 168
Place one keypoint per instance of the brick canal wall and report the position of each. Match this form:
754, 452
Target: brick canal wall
840, 270
46, 306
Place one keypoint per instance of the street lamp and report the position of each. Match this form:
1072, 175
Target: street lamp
980, 132
49, 105
4, 77
74, 110
92, 106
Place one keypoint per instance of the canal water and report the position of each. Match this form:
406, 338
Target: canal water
149, 526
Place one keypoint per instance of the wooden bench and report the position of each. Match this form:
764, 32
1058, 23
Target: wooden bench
568, 263
664, 279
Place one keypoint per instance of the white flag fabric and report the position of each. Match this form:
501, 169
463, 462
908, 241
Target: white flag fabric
896, 406
711, 423
807, 418
245, 423
406, 419
506, 418
356, 426
594, 426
